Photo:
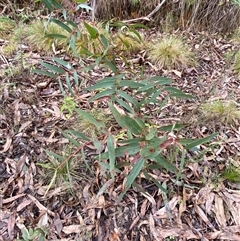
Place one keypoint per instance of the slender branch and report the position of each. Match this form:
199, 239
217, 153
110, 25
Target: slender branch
147, 18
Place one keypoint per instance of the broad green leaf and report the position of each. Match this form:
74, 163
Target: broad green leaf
193, 143
61, 24
127, 97
111, 154
105, 93
132, 125
46, 73
53, 68
89, 118
91, 30
63, 63
140, 123
133, 175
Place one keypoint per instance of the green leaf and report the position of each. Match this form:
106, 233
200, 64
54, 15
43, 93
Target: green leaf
177, 93
53, 68
161, 80
104, 41
90, 118
133, 175
146, 87
61, 24
172, 127
52, 182
197, 142
63, 63
117, 115
152, 133
54, 35
77, 134
104, 83
105, 93
111, 154
131, 84
132, 125
127, 97
111, 65
91, 30
69, 85
165, 164
125, 105
55, 155
46, 73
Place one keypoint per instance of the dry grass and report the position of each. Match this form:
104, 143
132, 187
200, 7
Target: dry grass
170, 52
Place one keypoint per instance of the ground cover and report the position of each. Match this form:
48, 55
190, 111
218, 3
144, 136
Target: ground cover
202, 204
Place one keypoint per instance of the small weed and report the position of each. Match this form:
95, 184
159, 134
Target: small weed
232, 173
170, 52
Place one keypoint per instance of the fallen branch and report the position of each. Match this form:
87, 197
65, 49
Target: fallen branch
147, 18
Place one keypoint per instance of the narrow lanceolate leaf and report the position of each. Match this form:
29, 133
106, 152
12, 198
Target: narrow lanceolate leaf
63, 63
61, 24
89, 118
125, 105
46, 73
174, 92
53, 68
111, 154
111, 66
161, 80
102, 94
57, 36
133, 174
127, 97
117, 115
104, 83
91, 30
193, 143
78, 135
132, 125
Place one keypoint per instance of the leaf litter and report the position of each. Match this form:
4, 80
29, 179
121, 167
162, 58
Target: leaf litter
205, 208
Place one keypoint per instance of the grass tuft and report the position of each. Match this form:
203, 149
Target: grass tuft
170, 52
226, 112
